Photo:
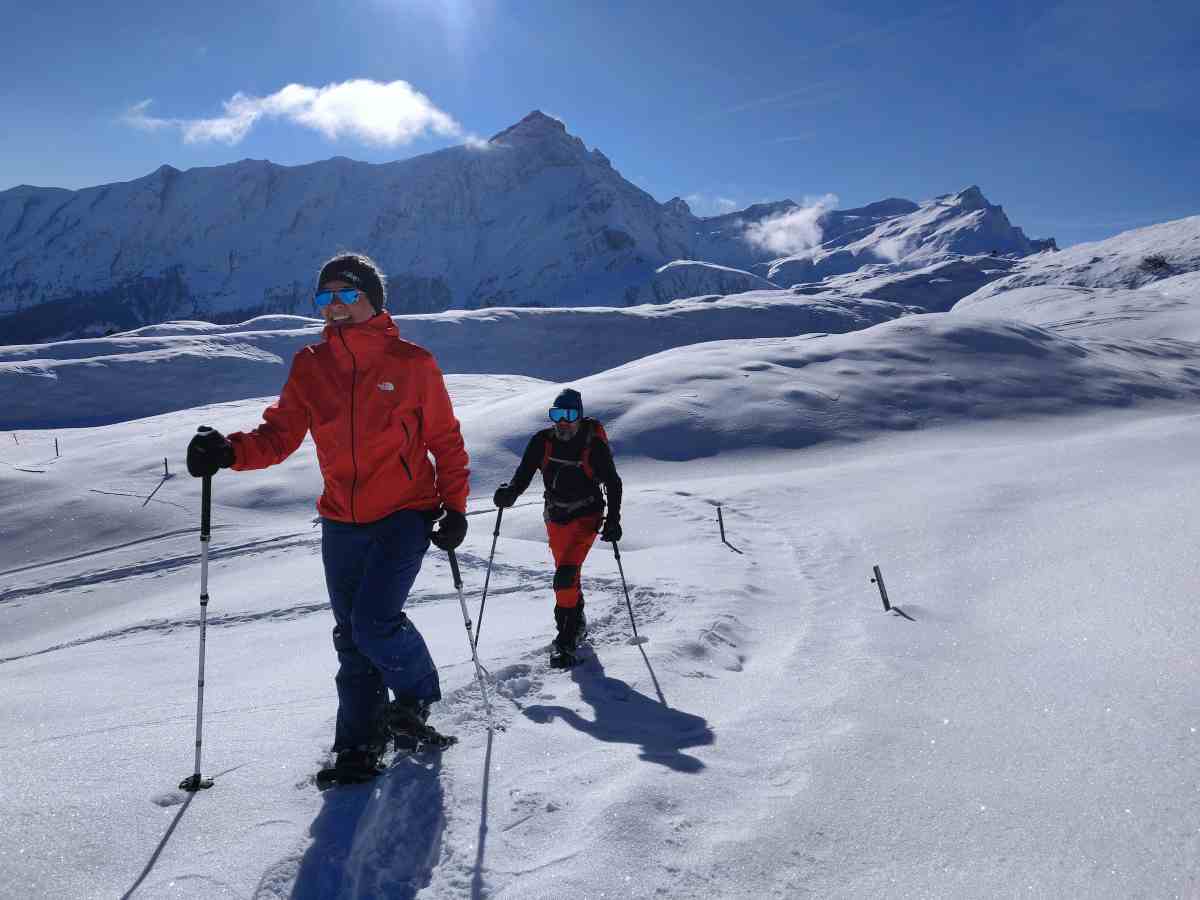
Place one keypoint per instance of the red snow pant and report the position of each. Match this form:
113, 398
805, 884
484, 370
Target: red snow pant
570, 543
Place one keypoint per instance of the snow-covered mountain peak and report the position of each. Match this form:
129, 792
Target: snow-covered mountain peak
534, 128
543, 140
971, 199
907, 236
534, 219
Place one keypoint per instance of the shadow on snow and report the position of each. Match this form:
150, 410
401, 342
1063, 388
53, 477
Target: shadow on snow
380, 839
622, 715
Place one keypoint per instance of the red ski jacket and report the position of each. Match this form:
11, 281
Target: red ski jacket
377, 407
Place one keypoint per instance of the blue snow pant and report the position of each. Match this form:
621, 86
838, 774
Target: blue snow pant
369, 570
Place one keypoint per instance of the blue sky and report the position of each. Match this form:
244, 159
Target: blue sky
1081, 118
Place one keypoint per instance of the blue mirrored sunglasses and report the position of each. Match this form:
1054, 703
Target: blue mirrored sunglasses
558, 414
324, 298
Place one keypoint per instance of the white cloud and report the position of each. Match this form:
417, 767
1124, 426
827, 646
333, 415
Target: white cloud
791, 232
373, 112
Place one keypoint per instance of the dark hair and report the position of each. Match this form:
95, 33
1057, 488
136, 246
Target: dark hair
357, 270
569, 399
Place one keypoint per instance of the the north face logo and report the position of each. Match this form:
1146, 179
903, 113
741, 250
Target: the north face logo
386, 386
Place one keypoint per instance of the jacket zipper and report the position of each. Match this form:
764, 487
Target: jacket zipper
353, 450
407, 441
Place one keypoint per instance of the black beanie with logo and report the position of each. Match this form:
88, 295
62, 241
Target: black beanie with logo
358, 271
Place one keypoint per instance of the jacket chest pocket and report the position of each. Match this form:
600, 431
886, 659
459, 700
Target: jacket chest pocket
393, 425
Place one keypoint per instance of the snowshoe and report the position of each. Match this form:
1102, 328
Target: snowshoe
562, 657
351, 767
405, 722
572, 628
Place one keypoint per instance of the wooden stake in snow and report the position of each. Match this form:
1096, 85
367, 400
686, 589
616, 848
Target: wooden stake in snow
878, 579
721, 523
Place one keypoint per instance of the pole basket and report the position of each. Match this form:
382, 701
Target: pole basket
194, 783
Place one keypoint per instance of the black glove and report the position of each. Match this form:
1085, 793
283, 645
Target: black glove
208, 452
505, 496
612, 529
451, 530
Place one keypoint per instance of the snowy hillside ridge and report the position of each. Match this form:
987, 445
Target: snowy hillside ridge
953, 225
531, 218
934, 288
908, 373
1132, 259
160, 368
690, 278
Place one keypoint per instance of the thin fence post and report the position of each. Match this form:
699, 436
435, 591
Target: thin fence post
56, 448
878, 579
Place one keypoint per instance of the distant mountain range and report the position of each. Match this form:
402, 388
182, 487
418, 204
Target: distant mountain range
531, 218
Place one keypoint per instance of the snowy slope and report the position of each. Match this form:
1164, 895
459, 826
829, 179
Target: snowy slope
1141, 284
1027, 728
171, 366
1029, 731
933, 288
1124, 261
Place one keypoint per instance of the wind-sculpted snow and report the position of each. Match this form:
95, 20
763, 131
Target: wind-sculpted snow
179, 365
909, 373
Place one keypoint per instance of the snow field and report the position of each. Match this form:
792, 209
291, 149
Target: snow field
1025, 484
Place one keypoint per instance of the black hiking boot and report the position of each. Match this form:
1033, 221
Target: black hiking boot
351, 767
404, 720
571, 629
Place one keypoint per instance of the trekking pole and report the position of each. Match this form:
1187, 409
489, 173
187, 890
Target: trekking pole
195, 782
470, 640
487, 578
628, 603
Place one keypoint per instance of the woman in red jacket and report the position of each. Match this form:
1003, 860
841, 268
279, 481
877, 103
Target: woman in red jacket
377, 408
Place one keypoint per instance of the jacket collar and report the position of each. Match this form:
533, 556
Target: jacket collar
366, 338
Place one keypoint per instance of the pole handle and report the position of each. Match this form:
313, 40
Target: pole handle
205, 507
454, 569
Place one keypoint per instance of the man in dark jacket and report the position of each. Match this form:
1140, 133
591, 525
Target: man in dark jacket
575, 461
377, 409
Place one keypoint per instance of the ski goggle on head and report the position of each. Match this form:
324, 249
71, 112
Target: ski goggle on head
559, 414
324, 298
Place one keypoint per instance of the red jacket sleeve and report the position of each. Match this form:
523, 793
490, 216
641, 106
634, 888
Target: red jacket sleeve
443, 437
285, 423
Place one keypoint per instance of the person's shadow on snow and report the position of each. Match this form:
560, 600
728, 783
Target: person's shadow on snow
380, 839
622, 715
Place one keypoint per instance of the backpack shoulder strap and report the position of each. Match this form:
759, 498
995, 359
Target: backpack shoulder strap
594, 430
547, 437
